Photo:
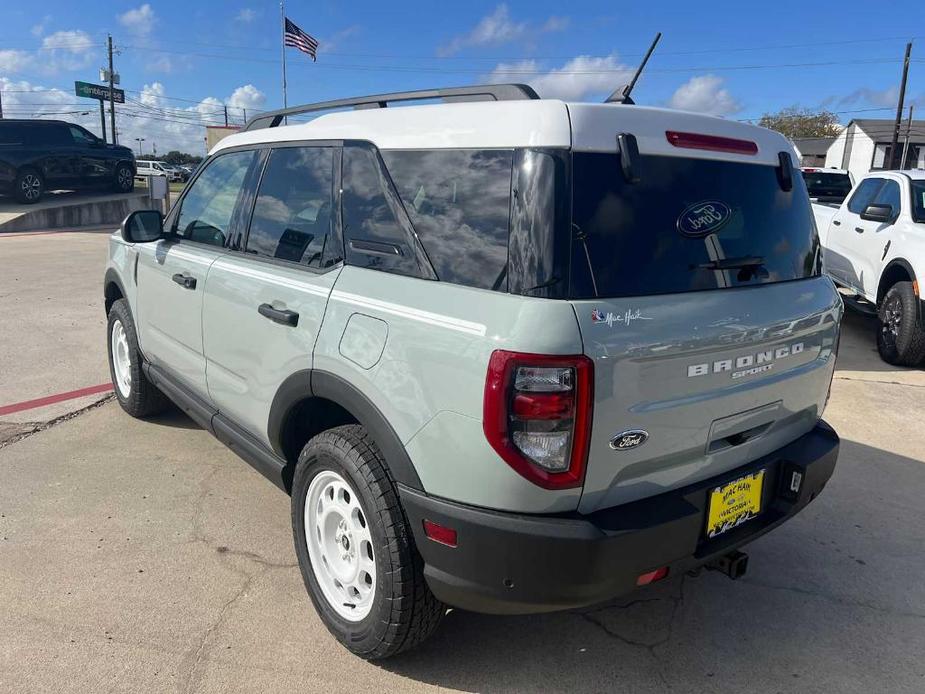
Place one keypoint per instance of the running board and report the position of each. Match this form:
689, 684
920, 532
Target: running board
859, 304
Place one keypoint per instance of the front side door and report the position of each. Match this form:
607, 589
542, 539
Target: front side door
872, 241
263, 306
95, 167
61, 161
171, 273
843, 254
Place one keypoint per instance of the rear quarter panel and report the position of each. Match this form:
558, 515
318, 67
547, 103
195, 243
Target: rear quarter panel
430, 377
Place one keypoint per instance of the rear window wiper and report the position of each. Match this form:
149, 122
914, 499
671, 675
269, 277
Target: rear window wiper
747, 265
745, 261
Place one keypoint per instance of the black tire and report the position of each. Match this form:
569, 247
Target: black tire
28, 187
404, 612
124, 181
143, 398
900, 334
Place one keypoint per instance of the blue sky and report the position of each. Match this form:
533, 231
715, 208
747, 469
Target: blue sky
182, 62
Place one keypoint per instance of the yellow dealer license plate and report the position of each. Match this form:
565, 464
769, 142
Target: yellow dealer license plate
734, 503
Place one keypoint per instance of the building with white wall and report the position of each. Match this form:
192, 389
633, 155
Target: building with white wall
864, 145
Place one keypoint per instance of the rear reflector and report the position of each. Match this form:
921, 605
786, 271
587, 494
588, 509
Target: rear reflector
711, 142
652, 576
440, 533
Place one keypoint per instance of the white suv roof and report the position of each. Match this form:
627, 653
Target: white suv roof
524, 123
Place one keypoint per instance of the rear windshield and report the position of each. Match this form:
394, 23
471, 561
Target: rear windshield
686, 225
824, 184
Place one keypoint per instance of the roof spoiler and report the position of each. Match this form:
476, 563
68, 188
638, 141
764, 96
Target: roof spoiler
488, 92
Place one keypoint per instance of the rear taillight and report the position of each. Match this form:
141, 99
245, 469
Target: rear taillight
537, 415
711, 142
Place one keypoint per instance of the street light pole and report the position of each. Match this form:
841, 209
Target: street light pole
112, 97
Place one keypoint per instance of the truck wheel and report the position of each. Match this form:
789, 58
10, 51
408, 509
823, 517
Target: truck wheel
900, 335
125, 179
137, 395
28, 186
355, 549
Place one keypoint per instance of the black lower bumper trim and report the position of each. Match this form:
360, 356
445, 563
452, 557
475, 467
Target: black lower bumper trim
517, 564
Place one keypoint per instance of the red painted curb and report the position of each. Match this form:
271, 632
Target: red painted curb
52, 399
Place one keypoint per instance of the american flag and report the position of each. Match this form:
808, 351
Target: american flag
297, 38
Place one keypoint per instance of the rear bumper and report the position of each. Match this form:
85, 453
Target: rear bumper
518, 564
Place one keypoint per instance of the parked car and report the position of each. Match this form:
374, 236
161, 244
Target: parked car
148, 167
509, 356
874, 247
827, 185
41, 155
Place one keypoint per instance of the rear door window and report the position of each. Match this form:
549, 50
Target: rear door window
864, 195
459, 202
373, 231
293, 214
684, 225
206, 210
13, 134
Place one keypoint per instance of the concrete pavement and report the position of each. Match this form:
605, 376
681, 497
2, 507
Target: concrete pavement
144, 556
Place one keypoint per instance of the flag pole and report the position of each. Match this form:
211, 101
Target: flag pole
282, 20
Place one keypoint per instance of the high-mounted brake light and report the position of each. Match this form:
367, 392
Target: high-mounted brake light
713, 143
537, 415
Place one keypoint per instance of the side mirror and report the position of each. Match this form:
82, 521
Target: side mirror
142, 226
878, 213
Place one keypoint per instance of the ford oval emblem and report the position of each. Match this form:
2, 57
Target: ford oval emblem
629, 439
703, 218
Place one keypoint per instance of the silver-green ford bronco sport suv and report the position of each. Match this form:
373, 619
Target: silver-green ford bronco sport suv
506, 354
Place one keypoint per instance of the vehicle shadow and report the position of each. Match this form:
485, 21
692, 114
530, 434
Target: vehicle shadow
174, 418
858, 348
827, 605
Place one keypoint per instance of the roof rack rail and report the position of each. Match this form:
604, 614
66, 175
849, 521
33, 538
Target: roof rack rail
487, 92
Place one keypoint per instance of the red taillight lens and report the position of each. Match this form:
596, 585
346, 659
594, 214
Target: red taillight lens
537, 415
711, 142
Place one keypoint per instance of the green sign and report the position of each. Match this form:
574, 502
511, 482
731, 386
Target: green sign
96, 91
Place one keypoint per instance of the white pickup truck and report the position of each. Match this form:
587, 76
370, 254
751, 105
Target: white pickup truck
874, 246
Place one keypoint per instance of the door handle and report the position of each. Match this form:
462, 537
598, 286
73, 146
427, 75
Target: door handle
836, 222
281, 316
860, 230
185, 281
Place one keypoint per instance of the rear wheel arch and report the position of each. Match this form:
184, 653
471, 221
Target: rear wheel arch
309, 402
898, 270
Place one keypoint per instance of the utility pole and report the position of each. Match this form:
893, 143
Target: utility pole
902, 164
899, 109
103, 119
1, 105
226, 116
112, 98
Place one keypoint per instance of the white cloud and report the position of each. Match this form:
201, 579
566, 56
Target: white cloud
247, 96
705, 94
498, 28
164, 123
332, 42
246, 15
39, 29
14, 61
139, 21
875, 97
577, 79
67, 50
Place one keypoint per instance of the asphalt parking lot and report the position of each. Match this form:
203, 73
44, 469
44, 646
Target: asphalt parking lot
144, 556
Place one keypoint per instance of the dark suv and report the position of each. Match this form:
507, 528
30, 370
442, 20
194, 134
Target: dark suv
40, 155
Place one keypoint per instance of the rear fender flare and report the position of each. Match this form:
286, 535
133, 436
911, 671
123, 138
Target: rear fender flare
322, 384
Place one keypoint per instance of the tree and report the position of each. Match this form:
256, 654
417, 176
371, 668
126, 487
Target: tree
802, 122
177, 157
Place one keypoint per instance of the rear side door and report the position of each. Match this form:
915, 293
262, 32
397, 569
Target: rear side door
844, 251
171, 273
264, 301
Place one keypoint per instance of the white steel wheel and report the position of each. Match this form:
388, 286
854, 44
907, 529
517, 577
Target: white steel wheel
121, 359
340, 546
